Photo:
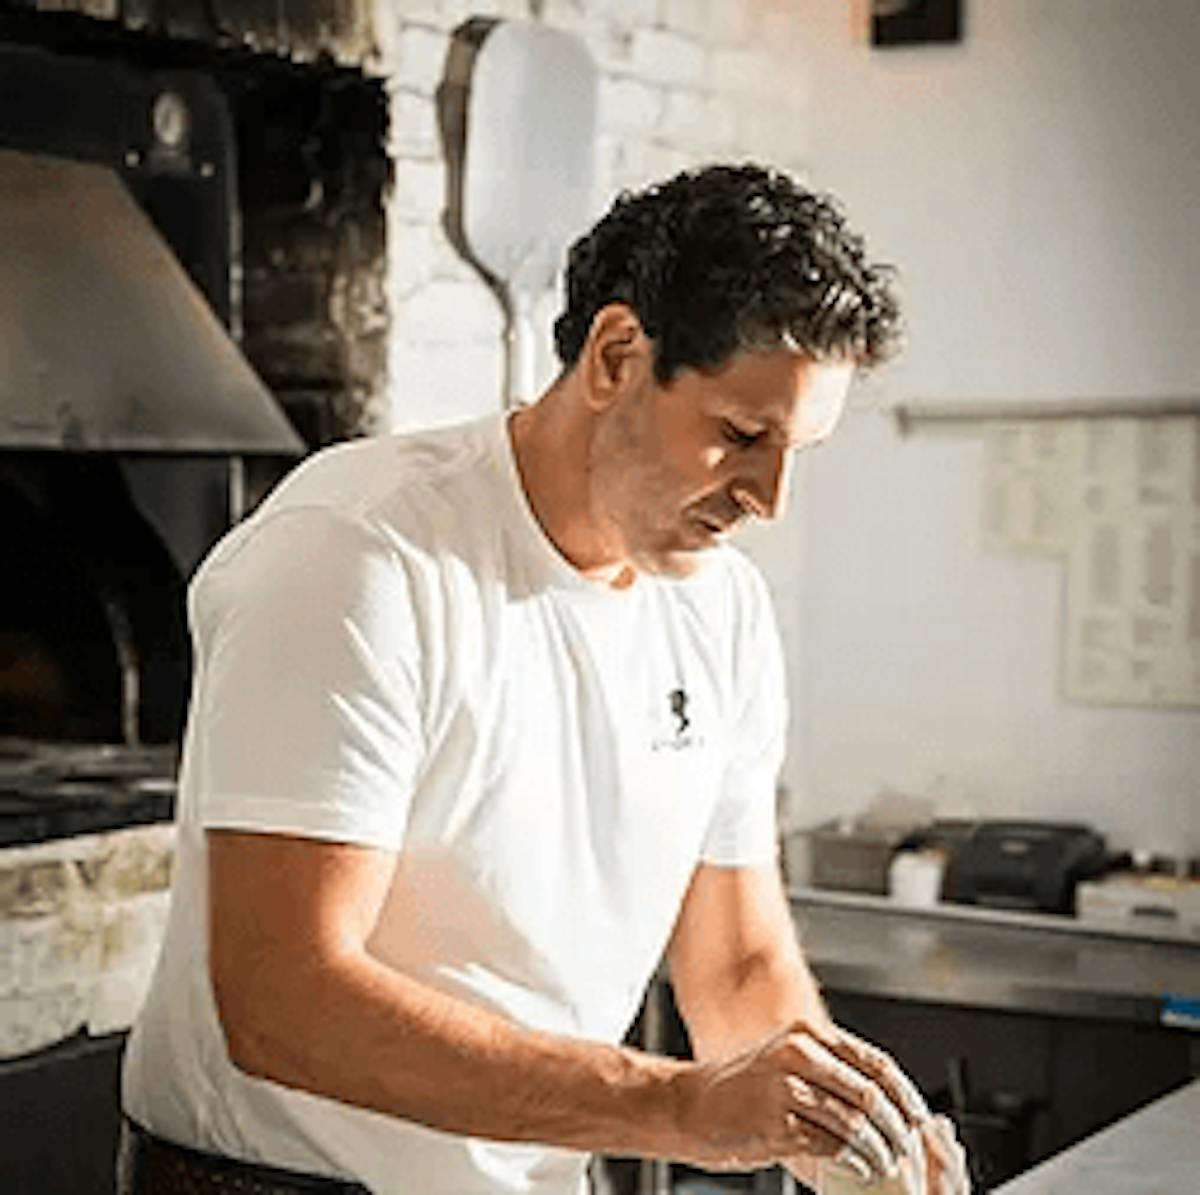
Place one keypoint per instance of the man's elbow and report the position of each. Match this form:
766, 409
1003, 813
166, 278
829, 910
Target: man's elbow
243, 1044
252, 1021
766, 970
745, 1002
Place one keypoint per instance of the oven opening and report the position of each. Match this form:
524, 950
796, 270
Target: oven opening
263, 178
92, 640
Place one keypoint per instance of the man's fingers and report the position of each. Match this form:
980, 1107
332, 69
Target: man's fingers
806, 1167
814, 1141
917, 1177
818, 1065
858, 1096
882, 1068
947, 1156
857, 1140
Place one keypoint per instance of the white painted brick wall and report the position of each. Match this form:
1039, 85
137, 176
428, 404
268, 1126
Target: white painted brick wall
629, 106
449, 311
668, 58
630, 13
417, 58
733, 25
683, 82
738, 71
697, 123
574, 16
692, 18
414, 253
419, 189
411, 12
413, 131
444, 383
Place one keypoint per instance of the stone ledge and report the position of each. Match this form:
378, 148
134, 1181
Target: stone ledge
81, 921
48, 877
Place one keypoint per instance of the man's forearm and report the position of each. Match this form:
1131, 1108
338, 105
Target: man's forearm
763, 996
356, 1031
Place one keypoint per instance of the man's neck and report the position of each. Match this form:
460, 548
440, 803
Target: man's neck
550, 442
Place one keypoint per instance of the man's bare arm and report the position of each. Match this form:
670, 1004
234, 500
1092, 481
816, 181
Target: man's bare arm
740, 977
736, 965
303, 1002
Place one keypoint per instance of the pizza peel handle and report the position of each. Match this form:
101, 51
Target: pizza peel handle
526, 171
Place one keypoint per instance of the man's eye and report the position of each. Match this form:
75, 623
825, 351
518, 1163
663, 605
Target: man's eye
737, 435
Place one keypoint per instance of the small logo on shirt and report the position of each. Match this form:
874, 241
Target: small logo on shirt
679, 720
679, 701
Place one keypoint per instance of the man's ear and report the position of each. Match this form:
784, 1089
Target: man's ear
617, 355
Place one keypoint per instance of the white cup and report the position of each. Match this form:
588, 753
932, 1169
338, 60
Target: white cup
915, 877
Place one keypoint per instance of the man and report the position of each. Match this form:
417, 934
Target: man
487, 718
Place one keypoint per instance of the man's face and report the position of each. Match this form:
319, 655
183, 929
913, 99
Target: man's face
676, 469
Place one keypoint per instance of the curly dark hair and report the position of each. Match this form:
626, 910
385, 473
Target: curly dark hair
728, 258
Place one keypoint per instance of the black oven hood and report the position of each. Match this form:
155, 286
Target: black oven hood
106, 343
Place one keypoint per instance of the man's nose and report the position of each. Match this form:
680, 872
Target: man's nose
763, 487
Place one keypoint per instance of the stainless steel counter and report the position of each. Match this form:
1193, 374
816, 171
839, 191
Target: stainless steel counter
995, 960
1156, 1151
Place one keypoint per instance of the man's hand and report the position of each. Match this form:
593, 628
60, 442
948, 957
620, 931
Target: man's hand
946, 1160
804, 1096
940, 1168
815, 1091
814, 1095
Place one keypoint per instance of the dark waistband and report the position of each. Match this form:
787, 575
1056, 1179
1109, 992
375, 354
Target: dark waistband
150, 1165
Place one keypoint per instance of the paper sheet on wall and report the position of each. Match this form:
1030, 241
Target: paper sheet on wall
1119, 499
1027, 507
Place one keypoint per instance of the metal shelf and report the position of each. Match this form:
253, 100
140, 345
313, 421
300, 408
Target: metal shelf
983, 914
909, 415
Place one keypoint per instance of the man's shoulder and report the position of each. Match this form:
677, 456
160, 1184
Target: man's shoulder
411, 495
428, 488
387, 474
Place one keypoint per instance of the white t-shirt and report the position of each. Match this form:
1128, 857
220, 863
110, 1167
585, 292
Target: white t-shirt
391, 652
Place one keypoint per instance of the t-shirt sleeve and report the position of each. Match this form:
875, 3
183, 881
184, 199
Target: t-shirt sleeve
742, 831
306, 701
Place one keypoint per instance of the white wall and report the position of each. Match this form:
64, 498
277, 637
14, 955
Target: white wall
682, 82
1037, 185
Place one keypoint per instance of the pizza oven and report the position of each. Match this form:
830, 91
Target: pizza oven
191, 297
127, 413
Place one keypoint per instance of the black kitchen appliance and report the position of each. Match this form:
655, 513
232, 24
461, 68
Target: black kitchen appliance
1024, 865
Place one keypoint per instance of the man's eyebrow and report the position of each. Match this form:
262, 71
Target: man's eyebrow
792, 438
759, 421
766, 426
